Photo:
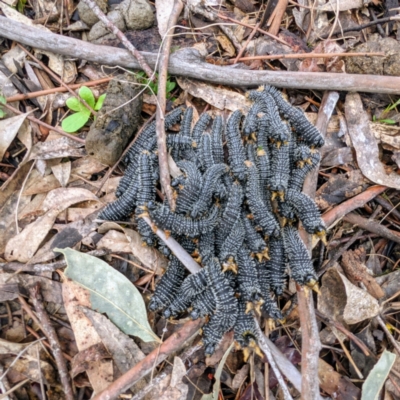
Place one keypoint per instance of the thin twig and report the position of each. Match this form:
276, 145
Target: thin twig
279, 12
304, 55
33, 95
51, 335
130, 47
39, 122
253, 32
388, 334
188, 63
165, 178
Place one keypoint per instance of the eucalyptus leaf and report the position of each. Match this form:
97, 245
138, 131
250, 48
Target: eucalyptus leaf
75, 121
110, 292
377, 377
217, 385
87, 95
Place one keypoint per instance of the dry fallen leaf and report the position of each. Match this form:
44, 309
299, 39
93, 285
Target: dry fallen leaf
57, 148
365, 144
163, 11
9, 128
343, 301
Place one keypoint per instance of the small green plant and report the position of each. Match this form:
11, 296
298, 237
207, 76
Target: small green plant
153, 86
2, 101
75, 121
387, 121
21, 5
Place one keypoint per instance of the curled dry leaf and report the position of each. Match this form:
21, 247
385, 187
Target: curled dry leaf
9, 129
176, 390
62, 172
111, 293
83, 360
344, 301
125, 240
218, 97
365, 144
163, 11
75, 296
34, 234
57, 148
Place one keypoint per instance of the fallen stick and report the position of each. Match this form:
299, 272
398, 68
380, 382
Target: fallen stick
188, 63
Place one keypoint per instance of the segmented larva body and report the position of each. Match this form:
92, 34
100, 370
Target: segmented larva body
251, 151
186, 124
206, 156
253, 239
168, 285
200, 127
203, 304
276, 265
250, 124
263, 163
191, 286
123, 206
231, 245
129, 176
300, 264
235, 146
271, 126
179, 141
180, 225
245, 328
216, 138
281, 169
286, 211
303, 127
189, 191
262, 216
146, 139
147, 234
301, 155
306, 211
207, 245
226, 309
188, 244
247, 276
147, 190
210, 180
269, 306
298, 175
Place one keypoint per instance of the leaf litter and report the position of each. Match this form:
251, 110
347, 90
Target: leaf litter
59, 199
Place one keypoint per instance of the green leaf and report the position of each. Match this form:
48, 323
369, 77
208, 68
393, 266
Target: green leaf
110, 292
170, 86
377, 377
388, 121
100, 102
75, 105
87, 95
75, 121
217, 385
390, 107
2, 113
3, 100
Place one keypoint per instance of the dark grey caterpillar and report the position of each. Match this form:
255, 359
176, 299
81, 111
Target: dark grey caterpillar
129, 175
186, 124
276, 265
231, 245
192, 286
250, 124
200, 127
269, 306
206, 155
179, 141
302, 155
303, 127
168, 285
203, 304
210, 179
307, 212
271, 125
226, 308
147, 189
123, 207
237, 156
230, 214
206, 246
281, 170
145, 230
300, 264
262, 216
298, 176
216, 139
165, 219
146, 139
245, 329
247, 276
253, 239
189, 190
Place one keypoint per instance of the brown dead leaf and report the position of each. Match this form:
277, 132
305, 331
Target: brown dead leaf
226, 45
365, 144
62, 172
34, 234
75, 296
176, 390
221, 349
129, 241
85, 358
343, 301
9, 128
218, 97
58, 148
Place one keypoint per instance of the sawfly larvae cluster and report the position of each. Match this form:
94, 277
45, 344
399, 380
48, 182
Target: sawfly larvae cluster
236, 212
